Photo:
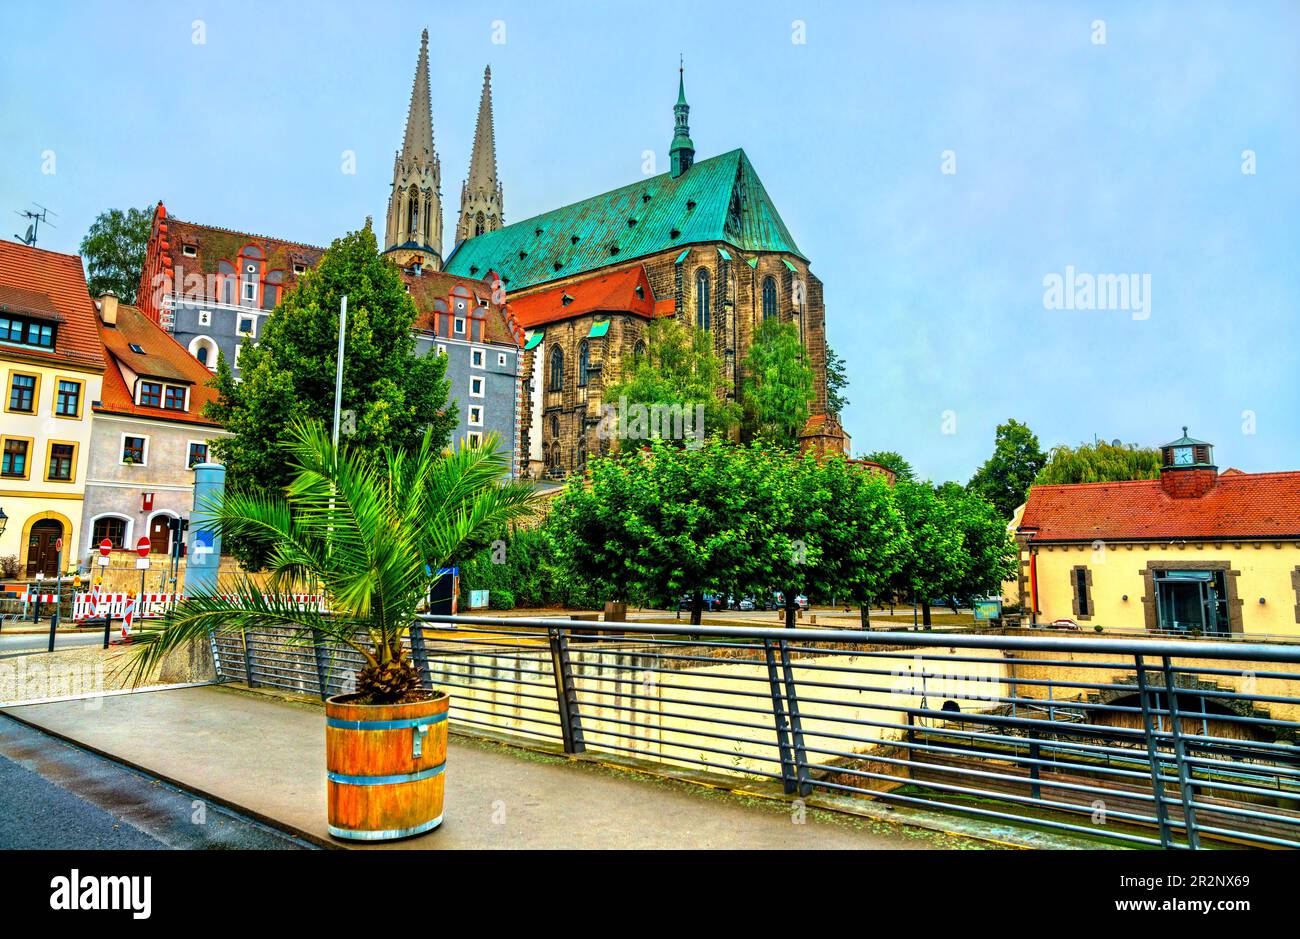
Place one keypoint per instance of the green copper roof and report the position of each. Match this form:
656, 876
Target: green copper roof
535, 340
1186, 441
598, 330
718, 199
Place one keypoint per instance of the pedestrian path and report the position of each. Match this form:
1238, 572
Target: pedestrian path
266, 758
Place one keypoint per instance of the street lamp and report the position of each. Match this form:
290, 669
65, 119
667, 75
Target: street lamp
4, 520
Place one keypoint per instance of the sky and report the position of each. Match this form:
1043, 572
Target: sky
939, 164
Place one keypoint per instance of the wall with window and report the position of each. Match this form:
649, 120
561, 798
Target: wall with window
134, 456
45, 434
1116, 583
485, 388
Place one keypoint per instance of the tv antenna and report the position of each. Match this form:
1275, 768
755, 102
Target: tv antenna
33, 230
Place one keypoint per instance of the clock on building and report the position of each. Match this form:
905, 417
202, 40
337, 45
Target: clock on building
1186, 453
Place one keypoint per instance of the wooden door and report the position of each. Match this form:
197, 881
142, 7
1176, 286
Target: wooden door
159, 535
42, 556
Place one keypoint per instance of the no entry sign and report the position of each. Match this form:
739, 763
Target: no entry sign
105, 547
142, 547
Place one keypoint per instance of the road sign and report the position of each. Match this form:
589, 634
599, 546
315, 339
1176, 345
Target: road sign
987, 609
58, 544
105, 547
142, 547
142, 563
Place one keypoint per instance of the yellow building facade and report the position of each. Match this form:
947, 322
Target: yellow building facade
1194, 552
52, 368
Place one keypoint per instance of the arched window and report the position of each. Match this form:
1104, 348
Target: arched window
555, 432
584, 356
582, 456
202, 355
557, 370
702, 298
638, 351
769, 298
413, 214
480, 224
110, 527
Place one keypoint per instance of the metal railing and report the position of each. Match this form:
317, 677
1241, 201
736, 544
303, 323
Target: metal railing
1132, 742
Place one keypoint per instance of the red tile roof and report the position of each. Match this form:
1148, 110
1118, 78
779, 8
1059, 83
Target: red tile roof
432, 293
1239, 505
50, 285
163, 358
615, 292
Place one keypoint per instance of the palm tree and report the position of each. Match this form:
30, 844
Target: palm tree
366, 528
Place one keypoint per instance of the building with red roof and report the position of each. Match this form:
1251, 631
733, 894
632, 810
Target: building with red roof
1193, 551
52, 366
149, 432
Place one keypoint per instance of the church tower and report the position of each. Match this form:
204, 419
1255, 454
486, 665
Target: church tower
413, 233
682, 150
482, 206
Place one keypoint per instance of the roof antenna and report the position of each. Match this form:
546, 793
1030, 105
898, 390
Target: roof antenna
33, 230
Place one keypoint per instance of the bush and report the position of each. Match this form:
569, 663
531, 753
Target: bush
9, 566
501, 600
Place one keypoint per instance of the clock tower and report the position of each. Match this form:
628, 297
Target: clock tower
1187, 469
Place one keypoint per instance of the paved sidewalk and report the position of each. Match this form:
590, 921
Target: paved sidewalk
267, 758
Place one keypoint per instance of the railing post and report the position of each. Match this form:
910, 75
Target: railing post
1180, 757
420, 653
789, 772
108, 626
566, 695
248, 662
322, 673
796, 726
1035, 771
1153, 756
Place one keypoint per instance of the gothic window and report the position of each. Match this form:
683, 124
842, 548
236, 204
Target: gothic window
702, 299
584, 358
555, 427
480, 224
413, 214
769, 298
638, 351
557, 370
582, 455
427, 213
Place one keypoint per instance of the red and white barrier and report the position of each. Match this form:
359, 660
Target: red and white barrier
94, 605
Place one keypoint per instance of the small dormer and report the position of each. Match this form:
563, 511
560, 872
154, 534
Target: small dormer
1187, 467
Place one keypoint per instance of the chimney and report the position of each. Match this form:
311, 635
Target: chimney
108, 308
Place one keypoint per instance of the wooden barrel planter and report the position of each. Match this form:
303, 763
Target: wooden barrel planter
385, 767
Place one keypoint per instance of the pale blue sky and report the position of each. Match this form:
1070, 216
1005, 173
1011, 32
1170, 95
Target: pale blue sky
1117, 158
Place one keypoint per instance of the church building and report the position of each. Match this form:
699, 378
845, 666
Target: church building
703, 242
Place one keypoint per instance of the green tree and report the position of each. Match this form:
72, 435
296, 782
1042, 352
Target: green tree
679, 373
837, 382
1099, 462
932, 560
989, 553
391, 395
827, 528
367, 525
778, 385
653, 524
114, 251
1005, 477
892, 460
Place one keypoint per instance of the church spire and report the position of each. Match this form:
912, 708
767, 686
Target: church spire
481, 200
414, 227
682, 150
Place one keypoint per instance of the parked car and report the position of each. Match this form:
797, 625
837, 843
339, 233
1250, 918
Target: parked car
746, 603
1063, 624
778, 601
712, 602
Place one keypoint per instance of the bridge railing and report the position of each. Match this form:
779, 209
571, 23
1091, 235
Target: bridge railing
1130, 742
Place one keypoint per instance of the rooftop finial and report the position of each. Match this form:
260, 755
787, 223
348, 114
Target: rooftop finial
682, 150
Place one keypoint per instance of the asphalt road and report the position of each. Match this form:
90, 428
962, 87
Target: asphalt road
13, 642
55, 796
